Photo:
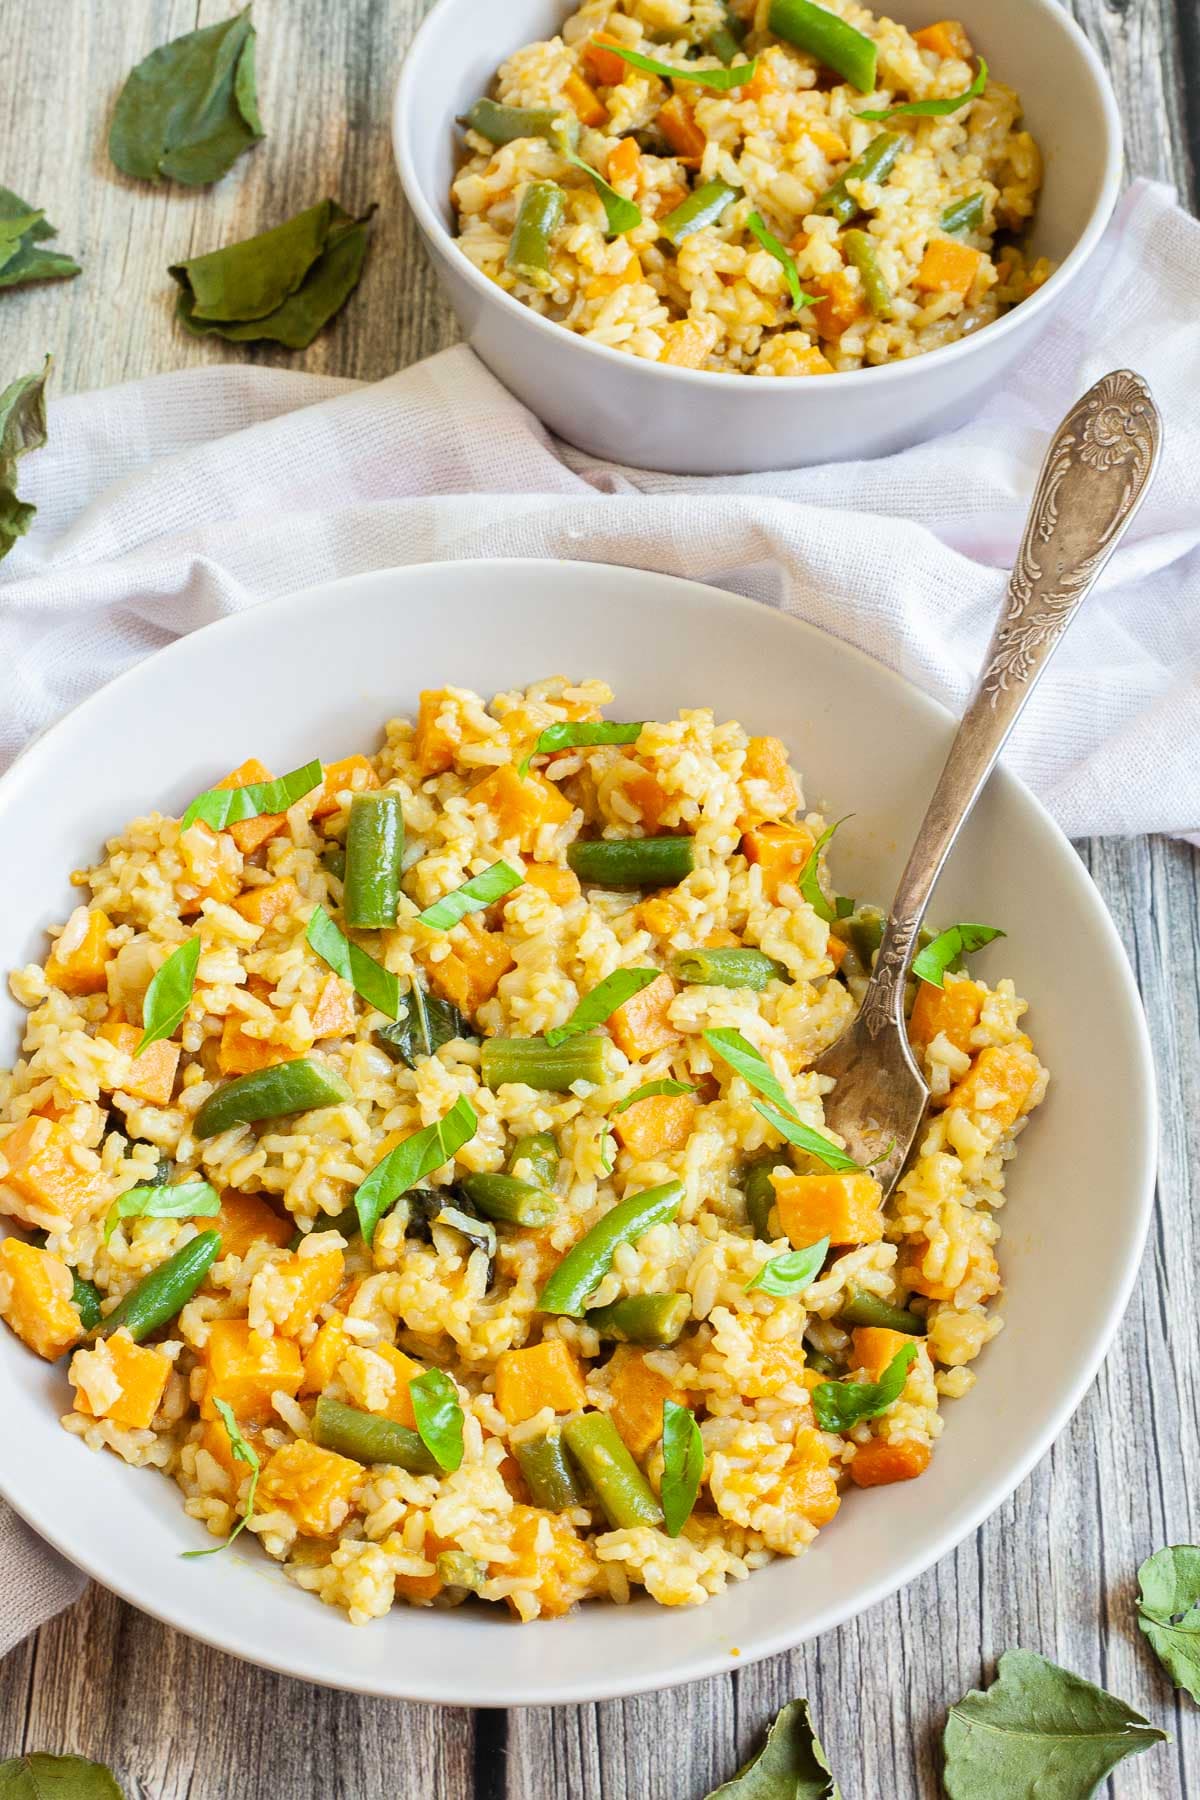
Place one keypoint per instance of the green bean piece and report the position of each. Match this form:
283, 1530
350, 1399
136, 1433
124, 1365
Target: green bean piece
622, 1490
822, 34
334, 862
648, 862
702, 207
586, 1264
458, 1570
657, 1319
162, 1293
374, 849
760, 1194
551, 1480
963, 215
863, 931
860, 249
875, 164
539, 1149
538, 217
85, 1298
369, 1437
726, 968
290, 1087
819, 1362
505, 124
862, 1308
727, 38
552, 1067
504, 1197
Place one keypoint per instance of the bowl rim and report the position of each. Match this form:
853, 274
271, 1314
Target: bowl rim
86, 1553
1025, 315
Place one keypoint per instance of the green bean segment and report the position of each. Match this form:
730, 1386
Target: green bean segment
760, 1194
554, 1068
85, 1298
585, 1265
514, 1202
161, 1294
633, 862
656, 1319
875, 164
822, 34
538, 1151
622, 1490
862, 1308
702, 207
369, 1437
374, 851
538, 217
458, 1570
505, 124
726, 968
963, 215
862, 254
551, 1480
290, 1087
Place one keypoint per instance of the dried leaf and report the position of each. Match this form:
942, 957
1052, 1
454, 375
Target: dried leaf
22, 230
190, 109
41, 1777
22, 428
790, 1766
1169, 1612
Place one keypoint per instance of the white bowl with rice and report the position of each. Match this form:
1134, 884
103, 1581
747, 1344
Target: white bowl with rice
1078, 1199
922, 372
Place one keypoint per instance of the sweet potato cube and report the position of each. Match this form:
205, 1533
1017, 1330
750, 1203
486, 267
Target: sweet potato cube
998, 1083
545, 1374
334, 1014
946, 37
601, 64
40, 1164
438, 734
951, 1011
309, 1282
274, 900
212, 866
251, 834
875, 1348
601, 286
877, 1463
558, 884
638, 1392
471, 973
677, 122
551, 1555
35, 1298
78, 963
808, 1486
767, 765
240, 1054
216, 1440
244, 1369
119, 1380
352, 775
584, 101
780, 851
656, 1126
688, 343
398, 1404
521, 807
324, 1354
836, 949
842, 306
646, 794
313, 1486
247, 1219
642, 1025
624, 160
847, 1208
150, 1076
947, 268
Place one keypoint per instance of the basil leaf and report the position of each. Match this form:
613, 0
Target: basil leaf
933, 109
841, 1404
1169, 1612
815, 1143
423, 1024
219, 807
242, 1452
784, 258
720, 80
948, 948
602, 1002
284, 285
683, 1465
38, 1776
376, 985
439, 1417
22, 229
85, 1298
480, 891
649, 1089
190, 108
792, 1272
169, 995
745, 1061
22, 429
810, 885
573, 734
1039, 1730
621, 214
790, 1766
410, 1162
186, 1200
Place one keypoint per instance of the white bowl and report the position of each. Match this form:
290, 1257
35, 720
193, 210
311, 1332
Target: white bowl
690, 422
317, 674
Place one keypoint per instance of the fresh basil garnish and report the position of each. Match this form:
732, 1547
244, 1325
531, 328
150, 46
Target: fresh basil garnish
439, 1417
1169, 1612
814, 1143
1039, 1730
948, 949
720, 80
809, 883
285, 284
683, 1465
86, 1298
190, 108
745, 1061
579, 734
932, 109
649, 1090
621, 215
410, 1162
22, 230
840, 1404
473, 895
242, 1452
423, 1024
186, 1200
22, 429
219, 807
773, 247
38, 1776
369, 979
169, 995
602, 1002
792, 1272
790, 1766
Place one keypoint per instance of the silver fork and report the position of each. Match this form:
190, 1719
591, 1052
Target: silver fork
1099, 465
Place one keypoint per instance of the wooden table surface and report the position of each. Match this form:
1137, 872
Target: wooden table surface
1054, 1569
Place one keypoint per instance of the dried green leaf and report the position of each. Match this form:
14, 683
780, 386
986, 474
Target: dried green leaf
790, 1766
190, 108
41, 1777
1039, 1730
423, 1024
22, 429
1169, 1612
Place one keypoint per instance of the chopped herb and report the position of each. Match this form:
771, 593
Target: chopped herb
790, 1766
439, 1417
933, 109
841, 1404
720, 80
784, 258
190, 108
244, 1453
602, 1002
650, 1090
219, 807
423, 1024
85, 1298
410, 1162
1169, 1612
805, 1138
809, 882
578, 734
480, 891
22, 429
22, 230
186, 1200
376, 985
792, 1272
169, 994
683, 1465
745, 1061
948, 949
621, 214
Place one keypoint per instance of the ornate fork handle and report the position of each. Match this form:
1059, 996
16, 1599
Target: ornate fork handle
1095, 476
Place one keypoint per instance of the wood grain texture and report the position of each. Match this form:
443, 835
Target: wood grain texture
1054, 1570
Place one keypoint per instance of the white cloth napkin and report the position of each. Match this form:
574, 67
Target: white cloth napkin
167, 503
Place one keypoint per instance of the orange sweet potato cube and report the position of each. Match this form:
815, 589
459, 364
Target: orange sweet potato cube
952, 1011
334, 1015
137, 1377
324, 1354
520, 806
836, 949
688, 343
40, 1164
946, 37
251, 834
947, 268
677, 122
244, 1369
240, 1054
558, 884
808, 1484
150, 1076
247, 1219
438, 734
313, 1486
638, 1392
998, 1083
273, 900
646, 794
877, 1463
642, 1025
624, 160
845, 1208
601, 64
774, 795
35, 1298
842, 306
352, 775
78, 963
584, 102
561, 1575
309, 1282
656, 1126
545, 1374
601, 286
216, 1440
399, 1404
780, 851
875, 1348
470, 974
212, 866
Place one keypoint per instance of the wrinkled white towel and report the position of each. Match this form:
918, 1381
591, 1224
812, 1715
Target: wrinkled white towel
167, 503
